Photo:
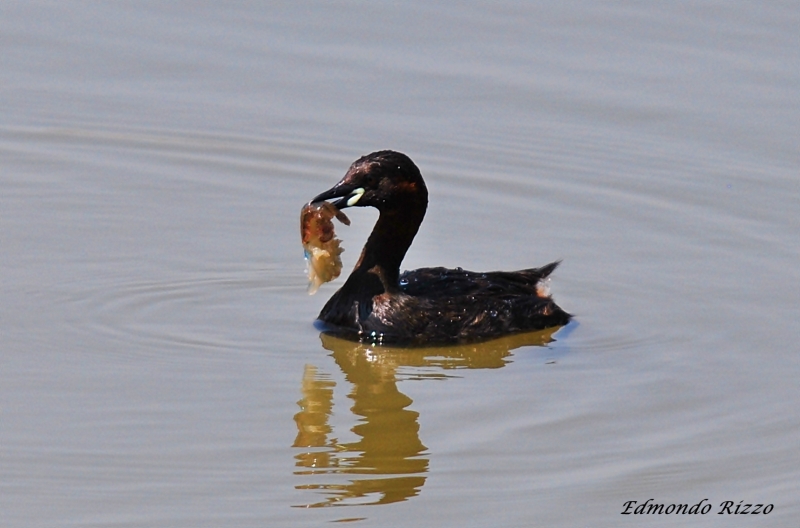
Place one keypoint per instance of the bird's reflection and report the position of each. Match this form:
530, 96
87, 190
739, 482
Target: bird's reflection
389, 449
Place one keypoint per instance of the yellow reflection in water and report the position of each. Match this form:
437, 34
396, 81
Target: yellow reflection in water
389, 448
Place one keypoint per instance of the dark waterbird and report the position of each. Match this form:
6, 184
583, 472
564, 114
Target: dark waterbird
427, 306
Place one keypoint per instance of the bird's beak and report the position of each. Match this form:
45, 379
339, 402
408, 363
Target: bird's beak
348, 195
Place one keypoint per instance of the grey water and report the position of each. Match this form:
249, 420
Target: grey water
158, 361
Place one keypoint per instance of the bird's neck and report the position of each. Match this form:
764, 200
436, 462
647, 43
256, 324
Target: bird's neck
387, 245
378, 268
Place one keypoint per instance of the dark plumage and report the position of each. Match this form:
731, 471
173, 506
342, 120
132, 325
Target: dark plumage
427, 306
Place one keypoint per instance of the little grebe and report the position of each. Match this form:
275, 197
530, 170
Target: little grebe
428, 305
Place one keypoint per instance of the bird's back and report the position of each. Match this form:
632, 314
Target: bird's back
441, 305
